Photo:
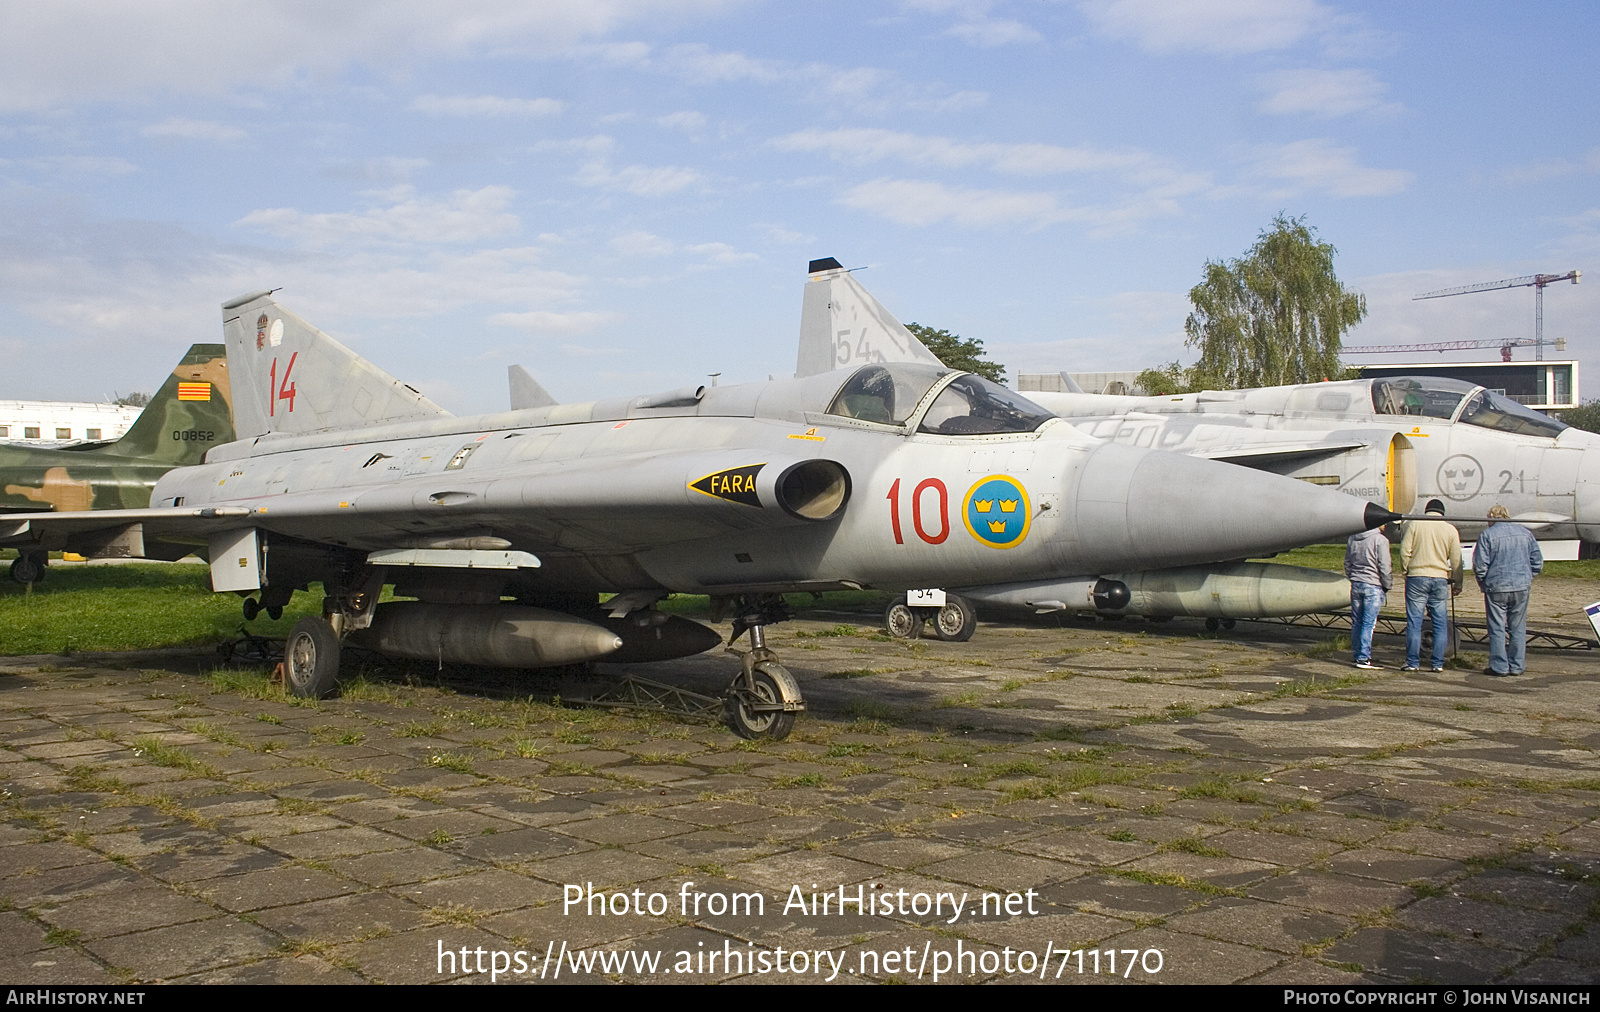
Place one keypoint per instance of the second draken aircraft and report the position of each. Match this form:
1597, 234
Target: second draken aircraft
1396, 440
505, 530
187, 416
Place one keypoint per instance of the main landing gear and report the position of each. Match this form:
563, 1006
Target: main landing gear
29, 566
764, 698
953, 621
311, 653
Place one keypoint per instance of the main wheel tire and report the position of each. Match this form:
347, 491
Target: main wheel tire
28, 567
901, 621
771, 724
251, 608
956, 620
1212, 625
311, 659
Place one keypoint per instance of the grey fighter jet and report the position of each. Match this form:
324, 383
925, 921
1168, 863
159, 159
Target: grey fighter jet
1397, 441
504, 529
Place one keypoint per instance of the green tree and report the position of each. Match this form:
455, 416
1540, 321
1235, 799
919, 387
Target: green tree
1585, 416
1276, 315
957, 353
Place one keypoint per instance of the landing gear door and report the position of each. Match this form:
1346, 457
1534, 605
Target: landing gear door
925, 598
236, 561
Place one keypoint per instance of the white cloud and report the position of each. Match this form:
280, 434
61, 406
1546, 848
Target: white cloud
642, 244
1325, 93
1216, 26
95, 50
640, 180
919, 202
464, 216
687, 120
648, 244
486, 106
588, 351
866, 89
721, 253
1539, 171
595, 145
785, 236
178, 128
990, 32
376, 170
74, 165
1318, 165
870, 145
546, 322
915, 202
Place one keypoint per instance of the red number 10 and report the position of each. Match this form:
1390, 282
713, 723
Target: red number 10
916, 511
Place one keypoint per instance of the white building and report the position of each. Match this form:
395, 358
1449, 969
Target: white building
56, 423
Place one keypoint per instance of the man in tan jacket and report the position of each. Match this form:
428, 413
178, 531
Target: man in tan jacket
1430, 554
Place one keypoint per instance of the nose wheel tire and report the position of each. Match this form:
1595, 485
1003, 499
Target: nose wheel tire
901, 621
747, 711
956, 620
311, 659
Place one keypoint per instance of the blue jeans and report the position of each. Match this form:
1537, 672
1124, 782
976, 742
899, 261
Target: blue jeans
1507, 612
1425, 594
1365, 600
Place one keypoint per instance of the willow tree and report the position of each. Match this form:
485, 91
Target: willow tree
1275, 315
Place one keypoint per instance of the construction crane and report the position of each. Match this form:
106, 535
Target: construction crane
1535, 281
1505, 347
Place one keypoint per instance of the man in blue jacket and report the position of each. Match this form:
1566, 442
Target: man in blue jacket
1505, 563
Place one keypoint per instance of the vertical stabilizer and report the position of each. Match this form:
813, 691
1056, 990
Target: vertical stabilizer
288, 376
842, 325
188, 416
526, 391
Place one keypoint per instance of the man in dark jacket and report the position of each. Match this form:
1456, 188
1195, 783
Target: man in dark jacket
1505, 563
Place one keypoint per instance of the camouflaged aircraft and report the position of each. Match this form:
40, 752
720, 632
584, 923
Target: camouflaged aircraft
189, 415
896, 476
1398, 441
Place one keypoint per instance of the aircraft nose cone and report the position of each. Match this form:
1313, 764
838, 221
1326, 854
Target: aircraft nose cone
1167, 509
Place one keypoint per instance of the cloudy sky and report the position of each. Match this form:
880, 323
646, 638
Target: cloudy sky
622, 195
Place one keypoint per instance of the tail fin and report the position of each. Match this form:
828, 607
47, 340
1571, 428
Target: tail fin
189, 415
526, 391
842, 325
293, 378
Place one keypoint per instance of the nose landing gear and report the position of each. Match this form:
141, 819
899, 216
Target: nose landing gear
764, 698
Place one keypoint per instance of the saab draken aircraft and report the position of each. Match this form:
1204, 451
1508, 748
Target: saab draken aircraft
895, 476
1397, 441
187, 416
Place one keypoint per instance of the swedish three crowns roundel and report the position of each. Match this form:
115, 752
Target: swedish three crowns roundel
996, 511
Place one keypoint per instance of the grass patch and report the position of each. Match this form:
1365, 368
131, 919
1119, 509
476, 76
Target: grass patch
461, 762
803, 780
130, 607
154, 750
1217, 787
87, 778
1193, 845
417, 729
871, 711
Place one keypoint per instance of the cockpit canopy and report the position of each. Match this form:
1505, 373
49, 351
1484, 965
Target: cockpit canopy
968, 405
1438, 397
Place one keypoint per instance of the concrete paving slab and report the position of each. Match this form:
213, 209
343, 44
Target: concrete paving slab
1287, 823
